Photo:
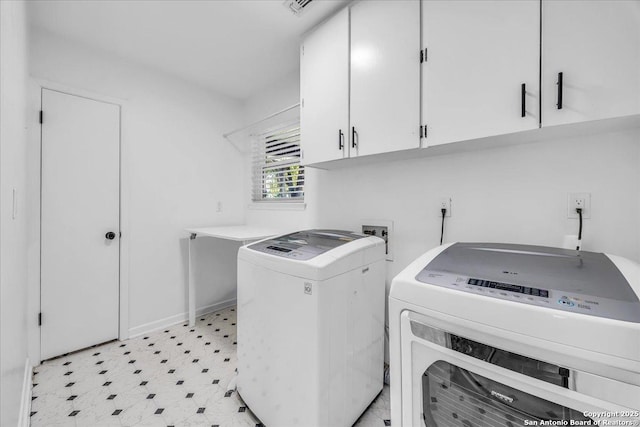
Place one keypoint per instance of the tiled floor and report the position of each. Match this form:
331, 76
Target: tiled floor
174, 377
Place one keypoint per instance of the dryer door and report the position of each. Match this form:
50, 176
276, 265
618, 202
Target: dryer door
450, 380
453, 396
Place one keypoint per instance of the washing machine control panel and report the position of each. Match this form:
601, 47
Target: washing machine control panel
292, 252
279, 249
305, 245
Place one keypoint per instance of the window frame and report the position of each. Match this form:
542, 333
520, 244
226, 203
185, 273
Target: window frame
281, 144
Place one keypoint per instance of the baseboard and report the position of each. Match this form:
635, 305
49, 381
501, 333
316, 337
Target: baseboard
214, 307
25, 399
176, 319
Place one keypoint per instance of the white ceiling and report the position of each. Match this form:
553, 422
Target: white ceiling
235, 47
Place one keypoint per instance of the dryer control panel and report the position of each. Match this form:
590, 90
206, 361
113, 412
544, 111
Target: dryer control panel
509, 287
579, 282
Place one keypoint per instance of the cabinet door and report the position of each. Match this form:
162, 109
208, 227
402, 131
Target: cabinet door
385, 76
596, 46
324, 91
479, 54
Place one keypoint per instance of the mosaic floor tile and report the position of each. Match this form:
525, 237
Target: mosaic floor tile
177, 377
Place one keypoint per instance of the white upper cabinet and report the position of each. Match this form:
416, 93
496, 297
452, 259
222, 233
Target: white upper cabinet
360, 82
491, 67
593, 47
385, 76
324, 91
481, 75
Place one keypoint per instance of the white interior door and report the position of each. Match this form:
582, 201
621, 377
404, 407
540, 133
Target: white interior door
324, 91
385, 76
80, 206
596, 47
479, 54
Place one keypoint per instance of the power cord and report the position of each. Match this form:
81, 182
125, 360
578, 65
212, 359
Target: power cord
444, 213
579, 211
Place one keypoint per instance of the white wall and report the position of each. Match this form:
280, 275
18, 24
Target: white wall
13, 252
278, 95
510, 194
176, 167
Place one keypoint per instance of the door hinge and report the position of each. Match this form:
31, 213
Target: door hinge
423, 131
40, 116
39, 319
423, 55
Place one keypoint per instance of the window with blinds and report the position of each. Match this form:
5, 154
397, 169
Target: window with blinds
277, 175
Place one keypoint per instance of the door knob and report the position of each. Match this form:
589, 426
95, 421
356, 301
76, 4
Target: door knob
110, 235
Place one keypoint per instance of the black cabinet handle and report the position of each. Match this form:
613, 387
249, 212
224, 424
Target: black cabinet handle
523, 94
340, 139
110, 235
559, 91
354, 135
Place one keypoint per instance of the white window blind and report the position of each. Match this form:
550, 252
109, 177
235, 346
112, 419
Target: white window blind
276, 172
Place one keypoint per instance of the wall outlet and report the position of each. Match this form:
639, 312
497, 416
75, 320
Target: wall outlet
445, 203
579, 200
380, 228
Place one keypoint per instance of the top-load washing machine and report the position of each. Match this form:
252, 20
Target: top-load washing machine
488, 335
311, 327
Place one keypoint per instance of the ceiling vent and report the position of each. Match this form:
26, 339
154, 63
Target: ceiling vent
297, 6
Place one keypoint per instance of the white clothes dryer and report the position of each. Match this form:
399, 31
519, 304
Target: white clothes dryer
488, 335
311, 327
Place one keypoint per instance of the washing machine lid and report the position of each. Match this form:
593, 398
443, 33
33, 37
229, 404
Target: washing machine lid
305, 245
576, 281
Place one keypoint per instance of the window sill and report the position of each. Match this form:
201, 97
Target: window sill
278, 206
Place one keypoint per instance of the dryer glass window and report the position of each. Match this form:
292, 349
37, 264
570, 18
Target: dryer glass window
534, 368
528, 366
453, 396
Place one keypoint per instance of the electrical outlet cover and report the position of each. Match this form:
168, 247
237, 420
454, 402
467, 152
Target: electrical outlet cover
573, 202
444, 202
